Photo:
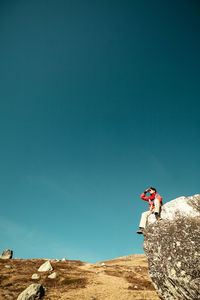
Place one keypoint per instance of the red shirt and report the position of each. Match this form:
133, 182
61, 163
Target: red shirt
151, 198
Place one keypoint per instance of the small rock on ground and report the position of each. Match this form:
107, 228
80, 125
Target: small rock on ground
45, 267
53, 275
8, 267
7, 254
35, 276
7, 296
64, 259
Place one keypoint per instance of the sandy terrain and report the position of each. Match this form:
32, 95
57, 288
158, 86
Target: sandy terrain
119, 279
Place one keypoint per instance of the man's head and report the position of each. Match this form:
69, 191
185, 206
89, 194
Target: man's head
152, 190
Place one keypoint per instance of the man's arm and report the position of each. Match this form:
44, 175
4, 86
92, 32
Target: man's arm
144, 197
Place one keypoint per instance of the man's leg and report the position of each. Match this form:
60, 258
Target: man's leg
144, 218
157, 207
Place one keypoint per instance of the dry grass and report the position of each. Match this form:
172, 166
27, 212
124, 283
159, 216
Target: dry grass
122, 278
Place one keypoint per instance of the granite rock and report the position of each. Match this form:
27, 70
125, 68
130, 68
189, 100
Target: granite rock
172, 246
7, 254
53, 275
46, 267
35, 276
34, 291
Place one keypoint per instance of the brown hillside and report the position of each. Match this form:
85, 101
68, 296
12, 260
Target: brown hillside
121, 278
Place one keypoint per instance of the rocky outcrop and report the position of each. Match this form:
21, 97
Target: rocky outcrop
7, 254
34, 291
172, 246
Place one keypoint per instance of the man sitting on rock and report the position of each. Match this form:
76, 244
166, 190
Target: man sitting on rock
155, 203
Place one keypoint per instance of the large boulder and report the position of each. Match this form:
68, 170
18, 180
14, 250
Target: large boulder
7, 254
172, 246
34, 291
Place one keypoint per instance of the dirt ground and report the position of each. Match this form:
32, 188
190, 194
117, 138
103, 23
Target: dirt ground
119, 279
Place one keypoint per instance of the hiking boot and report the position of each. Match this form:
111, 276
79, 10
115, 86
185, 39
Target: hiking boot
140, 231
157, 216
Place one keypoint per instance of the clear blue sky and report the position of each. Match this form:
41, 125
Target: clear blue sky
98, 101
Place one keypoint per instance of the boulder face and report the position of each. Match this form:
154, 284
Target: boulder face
172, 246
